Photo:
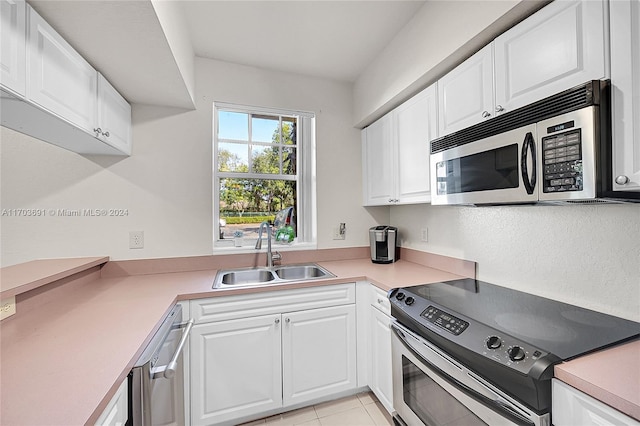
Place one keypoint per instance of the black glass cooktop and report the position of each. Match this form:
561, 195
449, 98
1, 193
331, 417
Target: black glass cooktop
562, 329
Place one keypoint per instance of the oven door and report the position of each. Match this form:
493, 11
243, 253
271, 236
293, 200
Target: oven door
431, 388
495, 170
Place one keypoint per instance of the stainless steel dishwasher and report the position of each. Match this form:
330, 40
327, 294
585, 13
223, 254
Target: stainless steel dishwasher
156, 382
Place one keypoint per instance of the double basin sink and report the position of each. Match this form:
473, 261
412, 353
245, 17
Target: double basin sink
264, 276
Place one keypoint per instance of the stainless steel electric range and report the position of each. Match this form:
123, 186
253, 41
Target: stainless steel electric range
468, 352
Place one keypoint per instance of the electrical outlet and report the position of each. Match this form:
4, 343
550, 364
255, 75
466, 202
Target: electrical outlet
136, 239
340, 232
424, 235
7, 307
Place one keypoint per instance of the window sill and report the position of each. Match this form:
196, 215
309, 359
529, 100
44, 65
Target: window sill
248, 247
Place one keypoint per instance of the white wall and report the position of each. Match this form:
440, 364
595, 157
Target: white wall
166, 183
587, 255
441, 35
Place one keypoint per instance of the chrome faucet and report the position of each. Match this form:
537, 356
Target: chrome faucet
271, 257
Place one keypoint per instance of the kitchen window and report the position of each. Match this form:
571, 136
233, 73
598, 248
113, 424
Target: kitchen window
264, 170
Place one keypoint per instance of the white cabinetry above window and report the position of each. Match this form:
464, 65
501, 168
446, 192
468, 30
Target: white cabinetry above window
395, 153
62, 99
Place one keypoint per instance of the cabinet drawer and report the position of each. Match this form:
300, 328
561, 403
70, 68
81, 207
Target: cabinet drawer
250, 305
379, 300
570, 407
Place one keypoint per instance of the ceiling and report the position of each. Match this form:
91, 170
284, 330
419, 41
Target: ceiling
124, 40
330, 39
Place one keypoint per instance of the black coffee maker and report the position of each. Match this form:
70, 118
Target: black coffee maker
383, 241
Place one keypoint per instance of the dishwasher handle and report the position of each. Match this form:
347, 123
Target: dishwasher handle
169, 370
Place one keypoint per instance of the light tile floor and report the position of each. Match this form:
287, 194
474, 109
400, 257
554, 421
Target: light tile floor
362, 409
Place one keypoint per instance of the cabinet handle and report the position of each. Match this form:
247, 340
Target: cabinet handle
98, 130
486, 114
499, 108
380, 301
622, 180
287, 320
106, 133
277, 320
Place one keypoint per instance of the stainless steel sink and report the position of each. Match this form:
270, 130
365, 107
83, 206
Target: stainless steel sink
265, 276
300, 272
248, 276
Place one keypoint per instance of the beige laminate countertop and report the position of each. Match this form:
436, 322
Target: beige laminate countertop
63, 361
611, 376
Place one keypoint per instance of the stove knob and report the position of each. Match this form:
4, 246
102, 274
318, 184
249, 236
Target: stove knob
494, 342
516, 353
409, 300
400, 296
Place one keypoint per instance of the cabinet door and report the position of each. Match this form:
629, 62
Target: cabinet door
377, 163
625, 81
318, 353
13, 49
557, 48
58, 78
415, 126
116, 413
465, 95
380, 375
571, 407
236, 369
114, 117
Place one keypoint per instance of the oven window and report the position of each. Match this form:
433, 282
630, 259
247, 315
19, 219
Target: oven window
487, 170
430, 402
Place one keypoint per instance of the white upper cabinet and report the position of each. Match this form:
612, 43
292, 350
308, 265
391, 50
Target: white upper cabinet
51, 93
395, 153
415, 126
377, 162
625, 81
465, 95
557, 48
59, 79
114, 117
13, 49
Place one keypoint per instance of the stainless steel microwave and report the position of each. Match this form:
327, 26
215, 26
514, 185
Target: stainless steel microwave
557, 150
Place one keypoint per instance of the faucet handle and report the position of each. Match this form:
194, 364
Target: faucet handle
276, 256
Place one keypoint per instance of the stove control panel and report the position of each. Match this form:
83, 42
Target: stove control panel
444, 320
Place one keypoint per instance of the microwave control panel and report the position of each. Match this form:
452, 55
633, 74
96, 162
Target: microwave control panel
562, 162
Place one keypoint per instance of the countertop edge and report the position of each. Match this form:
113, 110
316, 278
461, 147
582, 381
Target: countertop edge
22, 285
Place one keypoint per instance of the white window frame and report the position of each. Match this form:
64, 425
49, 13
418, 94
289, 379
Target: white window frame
306, 172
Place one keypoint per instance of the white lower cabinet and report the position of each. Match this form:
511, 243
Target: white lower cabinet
116, 413
236, 369
318, 353
380, 380
285, 349
571, 407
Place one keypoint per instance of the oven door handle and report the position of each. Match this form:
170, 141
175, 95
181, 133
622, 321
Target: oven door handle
495, 405
169, 370
529, 145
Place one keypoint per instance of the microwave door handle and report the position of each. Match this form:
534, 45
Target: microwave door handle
529, 145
